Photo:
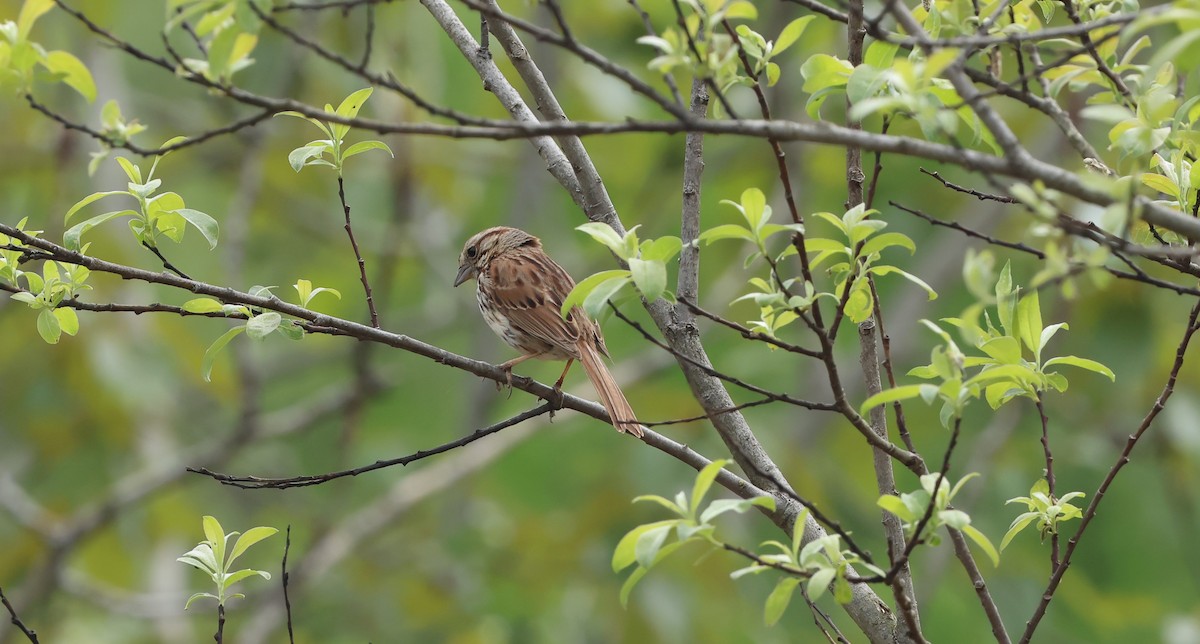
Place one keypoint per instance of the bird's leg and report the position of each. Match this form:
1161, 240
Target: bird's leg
508, 366
557, 394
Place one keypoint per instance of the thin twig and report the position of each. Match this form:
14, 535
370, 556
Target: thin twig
982, 196
284, 576
166, 264
258, 483
1122, 460
362, 265
1041, 407
16, 621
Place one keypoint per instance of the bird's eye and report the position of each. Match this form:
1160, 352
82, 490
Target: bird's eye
472, 252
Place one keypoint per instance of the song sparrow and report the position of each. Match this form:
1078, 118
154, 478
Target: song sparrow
521, 291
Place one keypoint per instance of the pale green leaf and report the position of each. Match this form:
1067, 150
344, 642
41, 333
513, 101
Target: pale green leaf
204, 223
72, 238
780, 597
704, 481
31, 10
1082, 363
48, 326
790, 34
363, 146
649, 276
263, 324
203, 305
68, 321
983, 542
249, 538
904, 392
595, 301
1029, 315
583, 289
95, 196
74, 73
604, 234
235, 577
625, 553
210, 354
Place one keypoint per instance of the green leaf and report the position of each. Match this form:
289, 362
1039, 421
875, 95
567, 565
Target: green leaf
1005, 299
1029, 314
754, 207
249, 538
95, 196
885, 270
363, 146
893, 504
75, 73
983, 542
203, 305
1048, 333
300, 157
210, 354
704, 481
199, 596
31, 10
596, 300
1161, 184
204, 223
624, 554
822, 71
649, 276
630, 582
1082, 363
132, 171
1005, 349
819, 582
879, 242
889, 395
324, 128
721, 506
727, 231
71, 238
880, 54
781, 596
235, 577
1017, 526
215, 534
263, 324
790, 34
662, 249
68, 321
583, 289
48, 326
648, 544
349, 109
604, 234
741, 10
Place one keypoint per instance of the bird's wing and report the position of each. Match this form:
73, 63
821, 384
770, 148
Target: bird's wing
530, 289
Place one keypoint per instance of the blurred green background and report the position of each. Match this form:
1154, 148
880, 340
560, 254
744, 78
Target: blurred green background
508, 540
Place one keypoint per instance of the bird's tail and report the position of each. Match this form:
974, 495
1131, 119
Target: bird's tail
618, 408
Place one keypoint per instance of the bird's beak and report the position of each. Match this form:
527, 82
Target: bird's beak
465, 272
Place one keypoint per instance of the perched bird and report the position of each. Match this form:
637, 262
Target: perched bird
520, 293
